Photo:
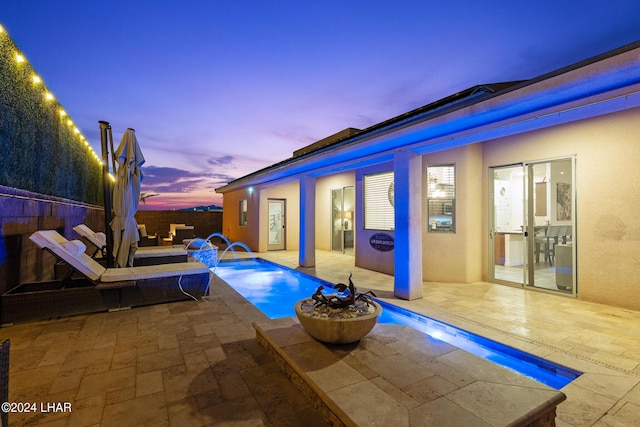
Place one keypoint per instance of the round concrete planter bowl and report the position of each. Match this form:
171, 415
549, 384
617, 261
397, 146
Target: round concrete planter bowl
338, 331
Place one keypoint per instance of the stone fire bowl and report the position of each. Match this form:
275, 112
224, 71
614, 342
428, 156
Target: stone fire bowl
338, 331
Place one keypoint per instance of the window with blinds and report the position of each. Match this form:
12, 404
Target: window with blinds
243, 212
378, 201
441, 198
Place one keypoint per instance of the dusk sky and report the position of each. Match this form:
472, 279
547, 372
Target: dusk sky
216, 90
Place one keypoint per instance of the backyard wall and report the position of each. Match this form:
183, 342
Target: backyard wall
23, 213
157, 222
49, 176
607, 226
42, 150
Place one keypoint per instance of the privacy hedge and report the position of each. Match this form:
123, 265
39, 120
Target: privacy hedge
39, 152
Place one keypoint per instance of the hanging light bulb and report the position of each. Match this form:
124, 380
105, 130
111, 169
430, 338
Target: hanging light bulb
48, 96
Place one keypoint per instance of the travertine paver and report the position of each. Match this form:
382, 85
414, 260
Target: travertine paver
50, 359
493, 394
186, 363
592, 338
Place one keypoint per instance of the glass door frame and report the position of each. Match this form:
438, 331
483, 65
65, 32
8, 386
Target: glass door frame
342, 222
528, 279
495, 236
279, 222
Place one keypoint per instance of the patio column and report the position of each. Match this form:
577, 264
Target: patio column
307, 251
407, 168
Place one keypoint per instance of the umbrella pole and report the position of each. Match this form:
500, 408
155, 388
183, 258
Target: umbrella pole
105, 129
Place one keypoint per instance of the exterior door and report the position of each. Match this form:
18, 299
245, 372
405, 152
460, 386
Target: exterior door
506, 232
342, 217
277, 225
552, 240
532, 225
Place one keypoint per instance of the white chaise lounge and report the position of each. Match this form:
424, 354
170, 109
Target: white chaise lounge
143, 256
100, 288
72, 253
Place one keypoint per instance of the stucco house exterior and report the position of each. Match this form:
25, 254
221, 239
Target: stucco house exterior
533, 184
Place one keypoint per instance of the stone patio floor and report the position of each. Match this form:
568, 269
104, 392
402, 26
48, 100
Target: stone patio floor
197, 363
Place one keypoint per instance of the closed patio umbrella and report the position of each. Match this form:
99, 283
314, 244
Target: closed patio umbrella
126, 197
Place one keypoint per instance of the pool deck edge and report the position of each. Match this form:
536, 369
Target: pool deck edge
398, 375
332, 413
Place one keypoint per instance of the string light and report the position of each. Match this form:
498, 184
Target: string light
48, 96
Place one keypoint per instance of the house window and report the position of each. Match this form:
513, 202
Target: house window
378, 201
243, 212
441, 198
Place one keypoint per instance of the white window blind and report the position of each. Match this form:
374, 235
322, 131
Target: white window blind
378, 201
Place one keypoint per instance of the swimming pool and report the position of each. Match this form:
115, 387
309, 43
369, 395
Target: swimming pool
274, 289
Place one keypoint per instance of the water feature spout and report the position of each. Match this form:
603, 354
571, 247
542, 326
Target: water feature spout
242, 245
207, 253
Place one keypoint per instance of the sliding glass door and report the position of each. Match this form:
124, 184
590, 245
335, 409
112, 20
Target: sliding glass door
532, 225
551, 207
507, 237
342, 217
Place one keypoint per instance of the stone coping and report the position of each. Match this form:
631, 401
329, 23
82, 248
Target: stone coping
402, 377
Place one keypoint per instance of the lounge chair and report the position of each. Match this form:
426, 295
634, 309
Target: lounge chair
183, 234
101, 288
144, 256
146, 239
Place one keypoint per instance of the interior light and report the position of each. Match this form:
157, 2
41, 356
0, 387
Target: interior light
19, 58
48, 96
36, 79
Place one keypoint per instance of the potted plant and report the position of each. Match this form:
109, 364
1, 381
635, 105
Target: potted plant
341, 316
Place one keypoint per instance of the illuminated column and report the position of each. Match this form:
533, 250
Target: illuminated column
307, 251
407, 167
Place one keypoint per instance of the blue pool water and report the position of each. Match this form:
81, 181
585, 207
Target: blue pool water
275, 289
